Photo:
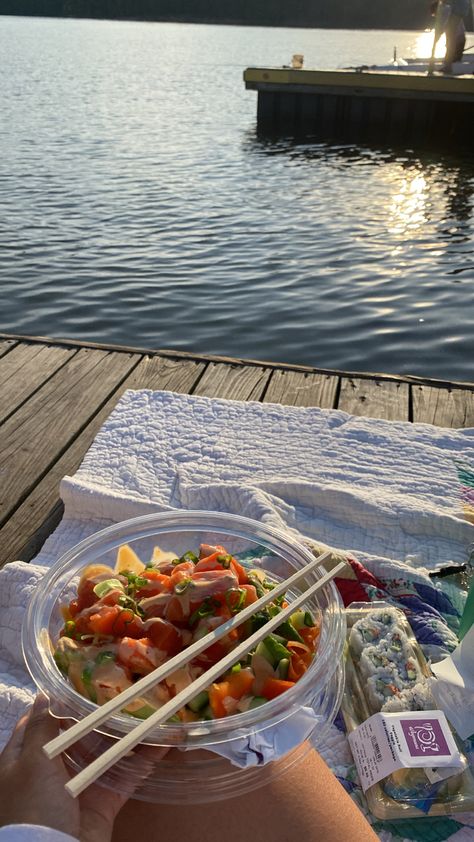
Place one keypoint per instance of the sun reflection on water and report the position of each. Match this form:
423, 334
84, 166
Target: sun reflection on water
407, 211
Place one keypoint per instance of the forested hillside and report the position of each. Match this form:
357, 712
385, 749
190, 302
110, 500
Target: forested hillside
411, 14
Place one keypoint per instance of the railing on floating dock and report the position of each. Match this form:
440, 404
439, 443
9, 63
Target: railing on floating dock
366, 106
55, 394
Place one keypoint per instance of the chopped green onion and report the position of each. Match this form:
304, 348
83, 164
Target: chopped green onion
236, 668
69, 628
255, 581
225, 560
61, 662
207, 609
189, 556
308, 619
126, 602
104, 657
239, 604
103, 588
183, 586
86, 680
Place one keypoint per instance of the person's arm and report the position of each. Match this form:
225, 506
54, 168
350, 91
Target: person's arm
33, 795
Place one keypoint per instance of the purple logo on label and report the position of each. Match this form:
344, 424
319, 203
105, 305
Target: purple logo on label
424, 737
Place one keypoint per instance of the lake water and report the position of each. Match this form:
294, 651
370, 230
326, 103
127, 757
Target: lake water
138, 206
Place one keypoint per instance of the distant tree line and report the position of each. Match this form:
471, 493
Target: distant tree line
391, 14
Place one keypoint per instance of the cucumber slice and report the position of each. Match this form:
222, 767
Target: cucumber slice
288, 632
276, 649
199, 702
283, 668
264, 652
257, 701
207, 713
297, 620
272, 650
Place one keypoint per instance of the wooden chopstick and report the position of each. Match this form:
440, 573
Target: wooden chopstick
92, 720
87, 776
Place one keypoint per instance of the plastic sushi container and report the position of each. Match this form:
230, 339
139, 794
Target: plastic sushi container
387, 672
174, 773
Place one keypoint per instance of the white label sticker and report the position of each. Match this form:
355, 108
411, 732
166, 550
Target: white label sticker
389, 741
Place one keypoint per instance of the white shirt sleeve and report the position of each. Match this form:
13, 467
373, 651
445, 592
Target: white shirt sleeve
33, 833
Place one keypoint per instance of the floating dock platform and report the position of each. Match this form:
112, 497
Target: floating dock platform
364, 105
55, 394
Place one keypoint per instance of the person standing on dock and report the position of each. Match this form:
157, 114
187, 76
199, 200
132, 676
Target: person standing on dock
450, 19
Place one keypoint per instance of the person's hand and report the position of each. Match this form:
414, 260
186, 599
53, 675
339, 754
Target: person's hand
32, 787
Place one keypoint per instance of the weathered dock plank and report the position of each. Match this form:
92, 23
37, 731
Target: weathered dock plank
53, 417
380, 399
297, 388
24, 370
6, 345
239, 383
25, 531
443, 407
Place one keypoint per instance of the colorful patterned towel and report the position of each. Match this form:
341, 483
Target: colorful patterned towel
433, 609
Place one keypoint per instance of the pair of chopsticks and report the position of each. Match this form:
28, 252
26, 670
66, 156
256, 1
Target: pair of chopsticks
87, 776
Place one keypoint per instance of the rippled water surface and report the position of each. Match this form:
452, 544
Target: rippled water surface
138, 206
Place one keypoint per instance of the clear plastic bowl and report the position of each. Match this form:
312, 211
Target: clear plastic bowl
199, 775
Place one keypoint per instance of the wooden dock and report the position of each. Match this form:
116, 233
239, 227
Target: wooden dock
55, 395
364, 105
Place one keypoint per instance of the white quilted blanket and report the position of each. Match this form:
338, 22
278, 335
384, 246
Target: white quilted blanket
386, 491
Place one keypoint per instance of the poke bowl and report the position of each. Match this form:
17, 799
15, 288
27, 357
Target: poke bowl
126, 599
